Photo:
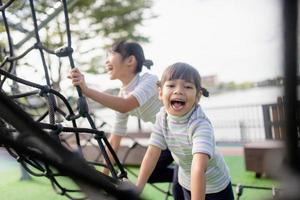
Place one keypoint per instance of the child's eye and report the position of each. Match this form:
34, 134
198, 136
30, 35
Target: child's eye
169, 85
189, 87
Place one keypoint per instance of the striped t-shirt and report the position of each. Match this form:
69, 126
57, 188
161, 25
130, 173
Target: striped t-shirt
186, 135
144, 89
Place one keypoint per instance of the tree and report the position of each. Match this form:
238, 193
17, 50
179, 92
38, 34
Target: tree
114, 18
95, 24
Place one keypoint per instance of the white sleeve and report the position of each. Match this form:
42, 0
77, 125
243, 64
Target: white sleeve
203, 138
120, 124
145, 89
157, 138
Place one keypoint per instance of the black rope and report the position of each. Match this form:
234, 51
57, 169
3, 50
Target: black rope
37, 36
10, 42
3, 7
33, 141
51, 96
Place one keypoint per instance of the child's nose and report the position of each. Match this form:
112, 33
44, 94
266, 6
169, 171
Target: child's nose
178, 90
107, 59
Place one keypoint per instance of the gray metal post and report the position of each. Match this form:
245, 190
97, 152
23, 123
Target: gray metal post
243, 131
24, 174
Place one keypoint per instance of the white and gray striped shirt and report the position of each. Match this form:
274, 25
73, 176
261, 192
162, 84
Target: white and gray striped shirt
185, 136
144, 89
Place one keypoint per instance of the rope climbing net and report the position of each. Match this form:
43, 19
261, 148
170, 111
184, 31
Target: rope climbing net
33, 132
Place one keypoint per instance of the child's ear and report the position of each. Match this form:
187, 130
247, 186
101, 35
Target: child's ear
131, 61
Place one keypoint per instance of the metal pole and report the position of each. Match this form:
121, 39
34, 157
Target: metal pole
290, 14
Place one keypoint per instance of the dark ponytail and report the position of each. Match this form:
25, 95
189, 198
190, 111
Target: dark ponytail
148, 63
204, 92
127, 49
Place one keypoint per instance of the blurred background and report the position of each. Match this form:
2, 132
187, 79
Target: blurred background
237, 46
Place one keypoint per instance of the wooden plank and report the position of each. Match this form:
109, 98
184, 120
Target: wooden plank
275, 119
282, 120
131, 151
257, 155
267, 121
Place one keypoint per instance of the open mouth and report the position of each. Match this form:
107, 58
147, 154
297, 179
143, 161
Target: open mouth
109, 69
177, 104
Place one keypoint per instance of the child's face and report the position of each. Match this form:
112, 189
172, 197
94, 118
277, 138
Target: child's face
116, 66
178, 96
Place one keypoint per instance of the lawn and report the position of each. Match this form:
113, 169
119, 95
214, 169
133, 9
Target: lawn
40, 188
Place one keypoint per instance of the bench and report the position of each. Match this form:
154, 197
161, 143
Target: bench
133, 148
259, 155
131, 151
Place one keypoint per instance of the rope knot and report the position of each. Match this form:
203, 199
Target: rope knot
44, 90
63, 51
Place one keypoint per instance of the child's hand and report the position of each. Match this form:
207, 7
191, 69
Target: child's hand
127, 181
77, 79
128, 185
139, 189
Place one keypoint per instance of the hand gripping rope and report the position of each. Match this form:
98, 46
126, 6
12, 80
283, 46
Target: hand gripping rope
40, 145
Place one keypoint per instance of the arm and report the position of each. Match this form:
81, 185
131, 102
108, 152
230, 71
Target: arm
119, 104
148, 164
114, 141
198, 180
110, 101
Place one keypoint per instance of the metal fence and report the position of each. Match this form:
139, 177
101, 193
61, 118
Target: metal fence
237, 123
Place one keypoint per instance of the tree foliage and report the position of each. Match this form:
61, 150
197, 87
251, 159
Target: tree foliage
114, 18
95, 24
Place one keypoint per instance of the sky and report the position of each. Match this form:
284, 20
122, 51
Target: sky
237, 40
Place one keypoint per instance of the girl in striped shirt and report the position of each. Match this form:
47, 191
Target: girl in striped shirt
182, 126
138, 97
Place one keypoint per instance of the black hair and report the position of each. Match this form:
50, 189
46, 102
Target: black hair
127, 49
186, 72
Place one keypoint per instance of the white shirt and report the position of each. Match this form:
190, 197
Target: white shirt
185, 136
144, 89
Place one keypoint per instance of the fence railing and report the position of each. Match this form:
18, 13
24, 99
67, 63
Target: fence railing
237, 123
234, 124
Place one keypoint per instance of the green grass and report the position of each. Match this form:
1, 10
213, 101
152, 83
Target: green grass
40, 188
240, 176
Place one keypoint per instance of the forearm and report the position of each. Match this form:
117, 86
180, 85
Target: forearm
198, 178
148, 164
198, 185
119, 104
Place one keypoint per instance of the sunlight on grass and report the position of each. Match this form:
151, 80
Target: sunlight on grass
12, 188
40, 188
241, 176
